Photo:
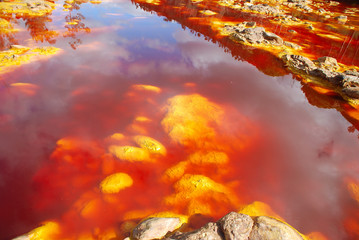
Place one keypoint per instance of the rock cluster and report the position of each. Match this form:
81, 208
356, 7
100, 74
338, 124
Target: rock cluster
248, 32
262, 8
233, 226
326, 69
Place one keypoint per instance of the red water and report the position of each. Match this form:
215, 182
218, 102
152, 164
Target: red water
288, 146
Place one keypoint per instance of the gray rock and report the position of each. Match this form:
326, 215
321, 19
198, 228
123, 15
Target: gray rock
352, 92
210, 231
155, 228
266, 228
273, 38
236, 226
299, 62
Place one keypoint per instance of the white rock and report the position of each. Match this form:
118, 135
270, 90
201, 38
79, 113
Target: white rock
155, 228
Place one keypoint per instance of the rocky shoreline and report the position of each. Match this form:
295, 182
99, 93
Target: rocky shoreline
233, 226
343, 79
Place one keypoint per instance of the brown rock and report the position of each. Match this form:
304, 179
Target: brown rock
266, 228
236, 226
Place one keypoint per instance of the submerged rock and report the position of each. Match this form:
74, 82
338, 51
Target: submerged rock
236, 226
155, 228
272, 229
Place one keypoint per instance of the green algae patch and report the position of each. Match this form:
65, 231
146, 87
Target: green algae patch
18, 55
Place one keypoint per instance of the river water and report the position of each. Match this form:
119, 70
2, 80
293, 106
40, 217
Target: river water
128, 71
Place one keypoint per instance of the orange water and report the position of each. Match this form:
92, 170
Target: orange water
241, 134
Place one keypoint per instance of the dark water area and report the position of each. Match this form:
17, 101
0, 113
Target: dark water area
288, 146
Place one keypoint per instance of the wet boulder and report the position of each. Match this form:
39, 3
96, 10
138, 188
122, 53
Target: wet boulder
267, 228
350, 80
351, 85
236, 226
210, 231
155, 228
352, 92
327, 63
255, 35
299, 63
250, 35
333, 77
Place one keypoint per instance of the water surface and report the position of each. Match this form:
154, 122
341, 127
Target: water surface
282, 149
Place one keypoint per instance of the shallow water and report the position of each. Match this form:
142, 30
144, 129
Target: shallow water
284, 148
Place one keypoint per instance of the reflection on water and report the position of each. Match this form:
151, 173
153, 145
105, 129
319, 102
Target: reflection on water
148, 119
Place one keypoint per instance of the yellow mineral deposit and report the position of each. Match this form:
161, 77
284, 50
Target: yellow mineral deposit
138, 214
354, 113
190, 118
18, 55
92, 209
258, 208
48, 231
353, 188
183, 218
115, 183
117, 136
198, 192
142, 119
20, 8
323, 90
26, 88
151, 145
175, 172
6, 27
212, 157
147, 88
131, 154
315, 236
68, 143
